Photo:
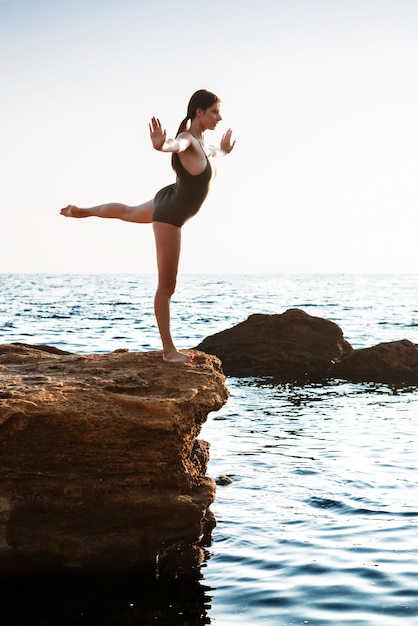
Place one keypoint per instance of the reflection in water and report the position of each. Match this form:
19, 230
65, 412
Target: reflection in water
128, 599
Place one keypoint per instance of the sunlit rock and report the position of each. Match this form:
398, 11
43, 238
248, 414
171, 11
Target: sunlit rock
394, 362
100, 466
292, 346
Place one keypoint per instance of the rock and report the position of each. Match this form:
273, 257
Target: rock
224, 479
99, 462
291, 347
394, 362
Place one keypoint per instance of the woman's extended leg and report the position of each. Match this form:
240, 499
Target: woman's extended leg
142, 213
167, 241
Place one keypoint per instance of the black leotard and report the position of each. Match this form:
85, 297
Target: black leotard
177, 203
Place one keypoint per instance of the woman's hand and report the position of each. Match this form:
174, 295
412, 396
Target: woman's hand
157, 134
226, 143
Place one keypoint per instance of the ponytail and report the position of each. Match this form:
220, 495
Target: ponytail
184, 125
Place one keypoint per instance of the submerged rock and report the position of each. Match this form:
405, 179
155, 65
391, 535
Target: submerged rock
394, 362
100, 466
292, 346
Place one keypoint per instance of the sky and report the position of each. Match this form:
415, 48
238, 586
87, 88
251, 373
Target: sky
322, 97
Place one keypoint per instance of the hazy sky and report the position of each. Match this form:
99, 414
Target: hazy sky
322, 96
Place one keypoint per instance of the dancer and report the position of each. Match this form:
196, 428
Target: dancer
172, 206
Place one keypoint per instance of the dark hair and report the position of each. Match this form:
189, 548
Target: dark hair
201, 99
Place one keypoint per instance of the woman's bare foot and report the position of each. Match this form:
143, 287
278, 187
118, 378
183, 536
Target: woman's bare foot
174, 356
72, 211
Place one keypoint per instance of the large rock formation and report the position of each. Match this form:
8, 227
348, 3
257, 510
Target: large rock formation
99, 462
393, 362
296, 347
292, 346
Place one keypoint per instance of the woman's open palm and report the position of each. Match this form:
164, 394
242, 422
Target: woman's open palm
157, 134
226, 143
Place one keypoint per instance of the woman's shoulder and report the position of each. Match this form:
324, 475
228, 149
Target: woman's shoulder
185, 134
191, 139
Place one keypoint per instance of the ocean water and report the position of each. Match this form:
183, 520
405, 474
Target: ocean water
318, 523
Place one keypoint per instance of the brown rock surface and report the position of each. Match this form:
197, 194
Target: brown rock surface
99, 461
394, 362
292, 346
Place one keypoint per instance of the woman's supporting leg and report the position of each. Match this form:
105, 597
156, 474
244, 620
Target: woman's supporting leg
168, 242
141, 214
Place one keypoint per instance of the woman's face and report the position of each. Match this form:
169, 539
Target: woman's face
210, 117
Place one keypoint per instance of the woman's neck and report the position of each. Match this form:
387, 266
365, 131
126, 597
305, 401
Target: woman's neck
196, 130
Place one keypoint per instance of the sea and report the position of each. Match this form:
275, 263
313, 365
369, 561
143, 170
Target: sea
317, 501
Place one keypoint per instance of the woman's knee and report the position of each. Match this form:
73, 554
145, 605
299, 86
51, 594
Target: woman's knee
166, 287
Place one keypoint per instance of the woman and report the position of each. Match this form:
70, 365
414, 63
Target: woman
175, 204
